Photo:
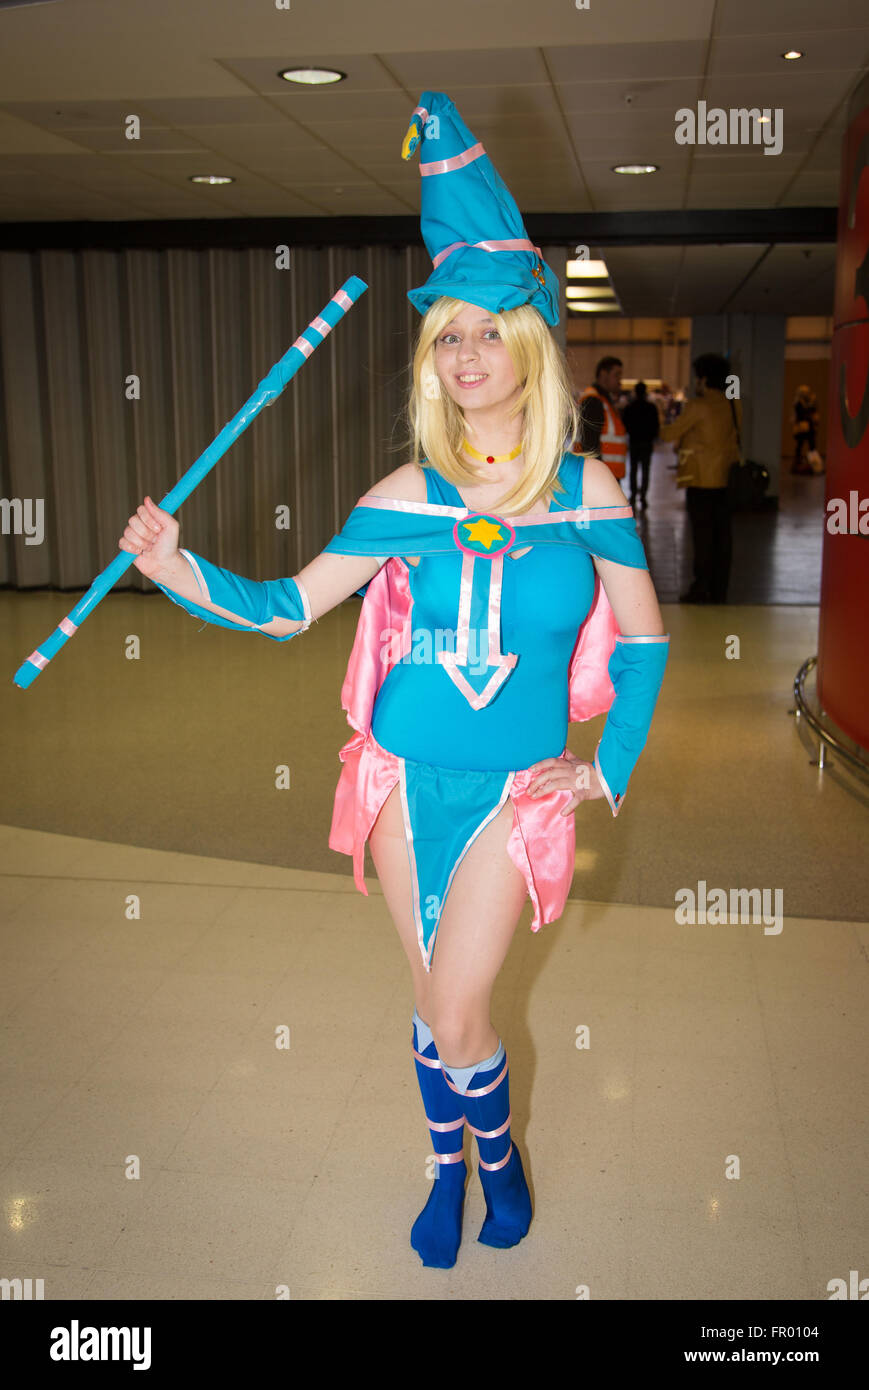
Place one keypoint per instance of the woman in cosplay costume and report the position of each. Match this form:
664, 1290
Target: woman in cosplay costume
490, 618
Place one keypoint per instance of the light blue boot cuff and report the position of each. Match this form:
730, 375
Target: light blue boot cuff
424, 1034
461, 1076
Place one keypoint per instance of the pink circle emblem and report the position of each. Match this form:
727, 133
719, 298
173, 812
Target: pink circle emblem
478, 547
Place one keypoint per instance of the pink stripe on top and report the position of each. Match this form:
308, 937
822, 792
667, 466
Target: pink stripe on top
458, 161
342, 299
321, 325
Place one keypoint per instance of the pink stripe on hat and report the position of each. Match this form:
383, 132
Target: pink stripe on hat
458, 161
448, 251
518, 244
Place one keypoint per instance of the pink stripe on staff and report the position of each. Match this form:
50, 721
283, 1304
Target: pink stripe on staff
37, 659
304, 345
458, 161
66, 626
342, 300
321, 325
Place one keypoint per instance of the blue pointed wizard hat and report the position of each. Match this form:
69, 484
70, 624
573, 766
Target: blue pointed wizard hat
470, 223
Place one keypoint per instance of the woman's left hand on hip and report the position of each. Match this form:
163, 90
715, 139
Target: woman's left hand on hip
567, 773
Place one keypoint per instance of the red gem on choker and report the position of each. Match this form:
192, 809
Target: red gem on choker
490, 458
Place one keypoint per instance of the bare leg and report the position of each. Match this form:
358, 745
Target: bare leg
476, 927
479, 918
389, 852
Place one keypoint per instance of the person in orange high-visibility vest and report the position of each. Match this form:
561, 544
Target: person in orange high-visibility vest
603, 431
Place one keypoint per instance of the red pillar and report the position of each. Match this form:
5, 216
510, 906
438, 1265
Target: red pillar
843, 640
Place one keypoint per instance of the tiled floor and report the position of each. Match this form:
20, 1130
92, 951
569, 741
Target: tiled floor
151, 1040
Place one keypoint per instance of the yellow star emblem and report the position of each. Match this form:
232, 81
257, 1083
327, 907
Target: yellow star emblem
483, 532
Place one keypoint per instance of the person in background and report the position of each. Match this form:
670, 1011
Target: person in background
602, 431
805, 418
707, 432
641, 421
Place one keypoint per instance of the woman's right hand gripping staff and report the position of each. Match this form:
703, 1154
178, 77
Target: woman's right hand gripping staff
278, 608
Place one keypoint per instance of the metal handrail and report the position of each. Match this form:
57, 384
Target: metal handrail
824, 735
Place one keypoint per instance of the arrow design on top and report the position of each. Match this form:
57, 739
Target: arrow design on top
500, 663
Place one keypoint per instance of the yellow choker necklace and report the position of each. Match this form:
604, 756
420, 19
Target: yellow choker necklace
493, 458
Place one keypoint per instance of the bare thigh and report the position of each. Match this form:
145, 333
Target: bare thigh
476, 926
389, 852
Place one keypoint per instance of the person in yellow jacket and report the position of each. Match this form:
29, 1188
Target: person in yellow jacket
602, 428
708, 435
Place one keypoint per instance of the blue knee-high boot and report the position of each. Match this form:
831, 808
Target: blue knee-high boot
437, 1231
484, 1092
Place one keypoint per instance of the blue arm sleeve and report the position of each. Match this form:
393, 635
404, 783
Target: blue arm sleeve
253, 602
636, 669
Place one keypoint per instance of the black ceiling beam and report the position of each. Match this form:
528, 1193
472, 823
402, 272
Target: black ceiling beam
706, 226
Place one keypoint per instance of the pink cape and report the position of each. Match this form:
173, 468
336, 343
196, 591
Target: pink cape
542, 842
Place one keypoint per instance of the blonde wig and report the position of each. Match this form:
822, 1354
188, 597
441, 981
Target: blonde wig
550, 416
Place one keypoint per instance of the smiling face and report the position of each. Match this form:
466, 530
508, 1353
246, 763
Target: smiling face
473, 363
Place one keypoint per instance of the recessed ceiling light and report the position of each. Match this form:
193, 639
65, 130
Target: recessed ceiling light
590, 292
312, 77
635, 168
593, 306
792, 55
587, 270
211, 178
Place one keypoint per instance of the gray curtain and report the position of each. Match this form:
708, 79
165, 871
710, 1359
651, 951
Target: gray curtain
199, 328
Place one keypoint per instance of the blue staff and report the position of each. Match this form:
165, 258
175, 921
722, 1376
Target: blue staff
266, 393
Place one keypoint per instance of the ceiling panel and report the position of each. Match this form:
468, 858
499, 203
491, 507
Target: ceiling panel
476, 68
245, 142
601, 62
782, 16
666, 94
812, 190
193, 111
554, 116
365, 71
321, 106
826, 50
